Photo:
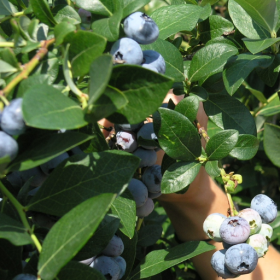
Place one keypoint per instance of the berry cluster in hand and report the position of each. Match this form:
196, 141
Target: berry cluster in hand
245, 237
139, 29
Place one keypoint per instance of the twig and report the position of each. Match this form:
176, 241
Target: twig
203, 132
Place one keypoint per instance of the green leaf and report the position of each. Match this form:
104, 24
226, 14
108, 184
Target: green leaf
42, 11
178, 176
272, 142
200, 93
9, 56
210, 60
6, 67
245, 23
258, 94
13, 231
149, 235
258, 45
101, 238
99, 7
264, 13
205, 2
177, 135
160, 260
272, 108
84, 48
175, 18
143, 89
92, 175
188, 107
46, 107
166, 162
246, 147
125, 208
239, 67
108, 27
172, 56
61, 30
74, 270
7, 8
220, 145
100, 73
46, 147
70, 233
212, 168
66, 13
130, 6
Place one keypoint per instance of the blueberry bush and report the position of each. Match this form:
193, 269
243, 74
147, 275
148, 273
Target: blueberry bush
78, 205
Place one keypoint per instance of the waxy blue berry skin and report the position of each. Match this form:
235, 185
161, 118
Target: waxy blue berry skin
107, 266
141, 28
266, 207
127, 51
152, 178
146, 209
148, 157
212, 224
154, 59
48, 166
128, 127
253, 218
12, 119
150, 67
241, 259
8, 146
218, 264
147, 132
114, 248
234, 230
139, 191
122, 263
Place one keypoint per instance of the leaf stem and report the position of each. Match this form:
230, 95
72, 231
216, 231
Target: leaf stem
7, 44
139, 223
22, 215
28, 67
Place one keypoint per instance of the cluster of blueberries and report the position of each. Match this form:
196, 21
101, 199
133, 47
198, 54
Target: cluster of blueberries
149, 187
139, 29
245, 237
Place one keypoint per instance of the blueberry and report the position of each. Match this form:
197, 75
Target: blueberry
267, 231
126, 141
25, 276
147, 132
12, 119
8, 146
148, 157
211, 226
122, 263
150, 67
152, 178
154, 195
114, 248
234, 230
139, 192
218, 264
154, 59
146, 209
38, 176
241, 259
107, 266
265, 206
87, 261
253, 218
141, 28
48, 166
85, 15
15, 179
33, 191
128, 127
126, 51
259, 243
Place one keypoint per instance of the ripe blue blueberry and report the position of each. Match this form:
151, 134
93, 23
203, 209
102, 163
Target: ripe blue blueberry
148, 157
253, 218
150, 67
267, 231
25, 276
49, 166
259, 243
127, 51
8, 146
122, 263
114, 248
241, 259
211, 226
38, 176
12, 119
128, 127
126, 141
234, 230
265, 206
139, 191
154, 59
154, 195
152, 178
218, 264
107, 266
141, 28
146, 209
147, 132
85, 15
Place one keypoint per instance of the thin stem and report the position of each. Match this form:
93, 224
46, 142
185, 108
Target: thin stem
7, 44
4, 100
28, 67
139, 223
21, 212
4, 200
